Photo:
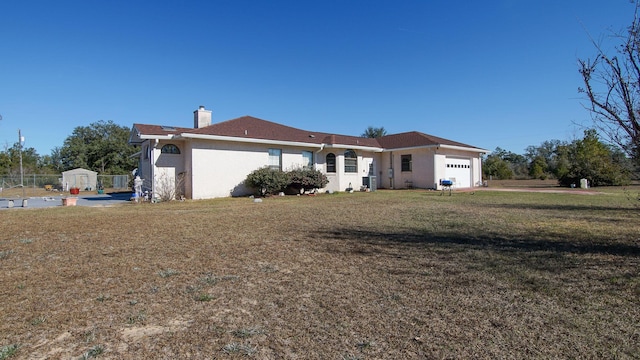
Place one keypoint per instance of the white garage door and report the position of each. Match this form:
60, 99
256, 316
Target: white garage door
459, 170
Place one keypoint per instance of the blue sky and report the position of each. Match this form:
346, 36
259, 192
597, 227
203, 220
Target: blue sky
486, 73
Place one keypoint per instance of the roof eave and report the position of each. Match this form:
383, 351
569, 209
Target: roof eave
249, 140
463, 148
354, 147
437, 146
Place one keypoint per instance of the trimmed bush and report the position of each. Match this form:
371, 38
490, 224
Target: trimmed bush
267, 181
307, 179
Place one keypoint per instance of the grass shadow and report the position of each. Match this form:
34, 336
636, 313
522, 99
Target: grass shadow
499, 244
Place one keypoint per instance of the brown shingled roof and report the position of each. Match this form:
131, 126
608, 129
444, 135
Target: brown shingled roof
253, 128
415, 139
159, 129
250, 127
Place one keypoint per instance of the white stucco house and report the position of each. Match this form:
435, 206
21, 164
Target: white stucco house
212, 160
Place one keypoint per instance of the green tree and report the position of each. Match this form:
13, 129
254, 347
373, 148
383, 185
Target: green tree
544, 159
374, 132
495, 166
538, 168
10, 160
102, 146
595, 161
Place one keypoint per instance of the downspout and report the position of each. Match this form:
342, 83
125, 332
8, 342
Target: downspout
153, 168
391, 175
436, 181
316, 158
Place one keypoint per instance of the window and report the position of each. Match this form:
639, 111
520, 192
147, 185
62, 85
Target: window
170, 149
405, 162
331, 163
275, 159
350, 161
307, 159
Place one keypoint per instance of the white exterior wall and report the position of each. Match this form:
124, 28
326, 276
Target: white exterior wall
428, 167
166, 169
218, 169
420, 176
475, 159
340, 180
476, 171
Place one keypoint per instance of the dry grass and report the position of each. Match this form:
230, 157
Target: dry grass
384, 275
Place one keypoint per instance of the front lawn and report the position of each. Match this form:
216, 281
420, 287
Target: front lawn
383, 275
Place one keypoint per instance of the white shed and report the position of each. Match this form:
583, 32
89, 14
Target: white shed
81, 178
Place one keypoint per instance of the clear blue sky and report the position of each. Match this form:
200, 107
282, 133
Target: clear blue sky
486, 73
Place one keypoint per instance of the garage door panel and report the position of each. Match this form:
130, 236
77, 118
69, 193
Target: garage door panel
459, 170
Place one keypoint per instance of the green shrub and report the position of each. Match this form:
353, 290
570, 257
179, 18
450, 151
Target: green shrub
270, 181
307, 179
267, 181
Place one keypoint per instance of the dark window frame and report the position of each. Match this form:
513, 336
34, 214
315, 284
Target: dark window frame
406, 163
350, 161
331, 162
170, 149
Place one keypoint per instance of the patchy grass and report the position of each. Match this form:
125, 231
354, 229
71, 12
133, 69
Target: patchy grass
389, 274
7, 351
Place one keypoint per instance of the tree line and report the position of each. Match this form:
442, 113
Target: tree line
101, 146
567, 161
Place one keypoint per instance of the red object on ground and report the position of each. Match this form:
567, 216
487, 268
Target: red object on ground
74, 191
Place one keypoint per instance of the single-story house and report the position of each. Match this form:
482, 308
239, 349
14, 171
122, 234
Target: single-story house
79, 178
212, 160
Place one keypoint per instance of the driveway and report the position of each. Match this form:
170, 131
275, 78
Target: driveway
54, 201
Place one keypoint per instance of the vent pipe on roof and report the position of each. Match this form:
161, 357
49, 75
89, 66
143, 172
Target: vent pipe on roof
201, 117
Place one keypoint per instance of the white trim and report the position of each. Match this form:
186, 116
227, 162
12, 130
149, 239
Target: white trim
409, 148
354, 147
249, 140
452, 147
158, 137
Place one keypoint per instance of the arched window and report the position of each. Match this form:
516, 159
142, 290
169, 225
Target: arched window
170, 149
350, 161
331, 163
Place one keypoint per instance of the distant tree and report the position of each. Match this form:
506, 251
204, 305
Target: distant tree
494, 166
374, 132
545, 159
102, 146
538, 168
54, 160
612, 86
591, 159
10, 160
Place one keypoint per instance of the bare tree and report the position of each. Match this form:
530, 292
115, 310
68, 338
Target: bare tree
612, 86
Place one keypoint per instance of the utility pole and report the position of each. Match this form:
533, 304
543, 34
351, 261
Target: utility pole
20, 141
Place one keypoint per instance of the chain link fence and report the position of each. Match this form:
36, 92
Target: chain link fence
55, 181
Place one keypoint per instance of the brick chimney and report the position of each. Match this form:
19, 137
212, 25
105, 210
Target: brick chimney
201, 117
